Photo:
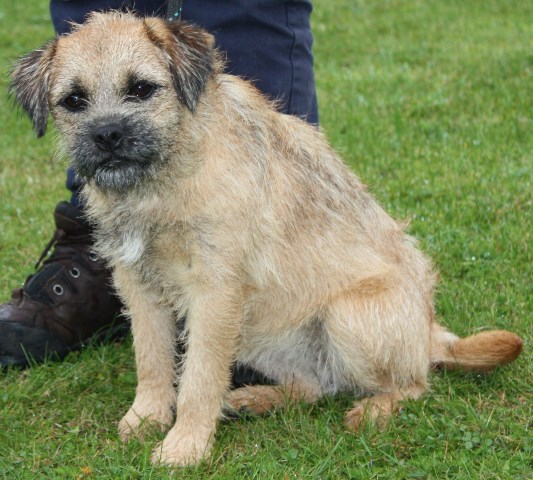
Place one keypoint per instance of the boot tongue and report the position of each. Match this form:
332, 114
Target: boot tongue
35, 286
70, 219
73, 228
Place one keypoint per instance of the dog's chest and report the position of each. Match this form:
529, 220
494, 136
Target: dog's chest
131, 247
158, 252
130, 238
123, 240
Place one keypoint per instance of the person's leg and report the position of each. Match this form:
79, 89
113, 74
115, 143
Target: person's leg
268, 42
64, 12
68, 300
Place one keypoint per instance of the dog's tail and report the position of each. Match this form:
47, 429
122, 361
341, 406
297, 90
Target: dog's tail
482, 352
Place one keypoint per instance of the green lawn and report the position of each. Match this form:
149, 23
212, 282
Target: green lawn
431, 102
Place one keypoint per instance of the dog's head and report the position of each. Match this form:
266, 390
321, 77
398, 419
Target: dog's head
117, 88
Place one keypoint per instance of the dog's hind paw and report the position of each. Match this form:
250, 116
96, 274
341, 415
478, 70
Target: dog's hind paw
377, 410
366, 414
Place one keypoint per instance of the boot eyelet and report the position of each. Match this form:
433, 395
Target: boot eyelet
74, 272
93, 256
58, 290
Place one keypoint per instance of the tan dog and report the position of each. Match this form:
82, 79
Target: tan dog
210, 204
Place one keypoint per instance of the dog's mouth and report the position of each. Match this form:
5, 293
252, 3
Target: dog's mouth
113, 171
118, 172
114, 161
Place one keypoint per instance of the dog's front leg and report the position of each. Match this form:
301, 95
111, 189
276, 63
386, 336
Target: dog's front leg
214, 321
154, 333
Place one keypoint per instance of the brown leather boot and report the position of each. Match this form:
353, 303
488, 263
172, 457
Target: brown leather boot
66, 303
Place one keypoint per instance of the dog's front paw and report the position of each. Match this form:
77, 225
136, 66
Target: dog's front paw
182, 448
143, 417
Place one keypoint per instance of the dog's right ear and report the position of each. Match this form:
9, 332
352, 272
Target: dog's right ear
30, 84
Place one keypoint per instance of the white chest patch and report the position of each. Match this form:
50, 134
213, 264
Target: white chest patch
131, 249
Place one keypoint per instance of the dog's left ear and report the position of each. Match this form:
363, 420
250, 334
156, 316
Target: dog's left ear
191, 54
30, 84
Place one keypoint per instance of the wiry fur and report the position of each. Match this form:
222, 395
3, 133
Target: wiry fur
246, 222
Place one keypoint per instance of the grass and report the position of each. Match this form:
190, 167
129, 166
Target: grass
431, 104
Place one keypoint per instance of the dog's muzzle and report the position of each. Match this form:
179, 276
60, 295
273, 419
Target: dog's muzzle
116, 153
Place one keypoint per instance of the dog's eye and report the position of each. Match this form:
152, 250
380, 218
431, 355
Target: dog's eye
75, 102
141, 91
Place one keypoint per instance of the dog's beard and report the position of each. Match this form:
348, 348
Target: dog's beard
121, 174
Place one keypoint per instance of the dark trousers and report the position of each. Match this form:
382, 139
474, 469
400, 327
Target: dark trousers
266, 41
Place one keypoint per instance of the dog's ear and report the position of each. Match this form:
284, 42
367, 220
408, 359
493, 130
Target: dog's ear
191, 54
30, 84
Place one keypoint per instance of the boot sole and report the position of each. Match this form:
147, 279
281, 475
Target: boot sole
22, 346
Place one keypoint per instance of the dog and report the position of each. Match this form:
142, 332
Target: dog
211, 205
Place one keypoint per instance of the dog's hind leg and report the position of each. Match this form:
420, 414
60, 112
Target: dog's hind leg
259, 399
379, 342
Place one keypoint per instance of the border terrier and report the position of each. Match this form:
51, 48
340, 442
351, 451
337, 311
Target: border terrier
211, 205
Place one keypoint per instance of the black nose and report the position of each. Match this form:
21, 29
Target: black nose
109, 137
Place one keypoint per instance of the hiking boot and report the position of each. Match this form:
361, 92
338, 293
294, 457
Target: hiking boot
66, 303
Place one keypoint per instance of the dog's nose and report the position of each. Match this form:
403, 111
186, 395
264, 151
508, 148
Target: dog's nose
109, 137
